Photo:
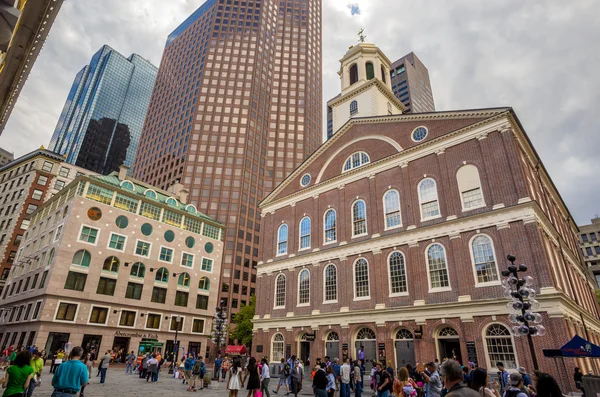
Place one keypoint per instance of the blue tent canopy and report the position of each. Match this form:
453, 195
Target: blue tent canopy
579, 347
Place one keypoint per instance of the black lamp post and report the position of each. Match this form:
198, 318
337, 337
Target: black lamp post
175, 345
218, 329
522, 300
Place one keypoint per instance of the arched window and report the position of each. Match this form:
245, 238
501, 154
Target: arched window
500, 347
353, 108
359, 218
305, 233
150, 193
330, 226
111, 264
304, 287
365, 334
82, 258
50, 257
171, 201
280, 291
370, 71
127, 185
383, 73
361, 278
282, 239
391, 209
330, 283
138, 270
469, 186
403, 334
277, 348
191, 209
184, 280
428, 199
204, 284
356, 160
484, 259
162, 275
397, 275
438, 268
353, 74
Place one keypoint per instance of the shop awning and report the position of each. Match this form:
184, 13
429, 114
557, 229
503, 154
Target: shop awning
235, 350
576, 347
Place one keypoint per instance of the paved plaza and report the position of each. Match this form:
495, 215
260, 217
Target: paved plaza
119, 384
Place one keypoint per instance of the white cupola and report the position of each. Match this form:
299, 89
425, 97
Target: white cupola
366, 86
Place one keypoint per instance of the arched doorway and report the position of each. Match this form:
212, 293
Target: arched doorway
448, 343
332, 345
405, 348
304, 343
366, 338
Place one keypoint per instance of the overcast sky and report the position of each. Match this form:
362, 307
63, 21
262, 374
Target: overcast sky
540, 57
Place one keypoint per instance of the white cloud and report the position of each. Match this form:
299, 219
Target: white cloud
539, 58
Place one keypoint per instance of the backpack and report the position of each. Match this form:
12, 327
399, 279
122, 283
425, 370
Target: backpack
286, 370
512, 392
202, 369
197, 367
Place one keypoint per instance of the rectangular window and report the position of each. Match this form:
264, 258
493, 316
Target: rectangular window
153, 321
134, 291
150, 211
117, 242
88, 235
181, 298
472, 198
98, 315
58, 185
30, 209
198, 326
159, 295
47, 166
588, 251
127, 318
64, 172
99, 194
172, 218
42, 180
211, 231
106, 286
35, 279
593, 236
166, 254
187, 260
66, 311
76, 281
58, 233
142, 248
29, 279
27, 312
126, 203
193, 225
36, 311
597, 249
43, 282
584, 238
207, 264
176, 325
202, 302
37, 194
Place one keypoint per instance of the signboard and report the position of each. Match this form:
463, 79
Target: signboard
259, 348
310, 337
472, 352
418, 333
345, 346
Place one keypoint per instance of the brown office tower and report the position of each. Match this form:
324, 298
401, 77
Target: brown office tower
235, 109
410, 83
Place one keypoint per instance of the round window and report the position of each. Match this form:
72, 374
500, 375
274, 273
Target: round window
419, 134
190, 242
209, 248
305, 180
122, 222
169, 236
94, 213
146, 229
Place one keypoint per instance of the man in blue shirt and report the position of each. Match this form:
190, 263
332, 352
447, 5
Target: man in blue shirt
502, 377
70, 376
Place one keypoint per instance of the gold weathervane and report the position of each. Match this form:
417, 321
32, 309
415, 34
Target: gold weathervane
361, 36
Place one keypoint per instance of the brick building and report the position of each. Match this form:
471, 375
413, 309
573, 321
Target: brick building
393, 235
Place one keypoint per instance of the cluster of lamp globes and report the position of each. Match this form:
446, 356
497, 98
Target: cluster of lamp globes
219, 325
522, 300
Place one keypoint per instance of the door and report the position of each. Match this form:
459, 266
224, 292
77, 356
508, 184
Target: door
304, 351
120, 347
405, 353
194, 347
332, 349
55, 341
370, 351
90, 342
450, 348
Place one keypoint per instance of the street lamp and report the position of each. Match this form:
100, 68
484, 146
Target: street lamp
218, 329
522, 300
175, 344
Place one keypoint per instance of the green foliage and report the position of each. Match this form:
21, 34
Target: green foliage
598, 295
243, 322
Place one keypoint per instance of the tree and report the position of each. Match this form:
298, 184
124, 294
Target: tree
243, 323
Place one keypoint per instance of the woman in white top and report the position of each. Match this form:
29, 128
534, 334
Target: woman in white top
480, 381
233, 383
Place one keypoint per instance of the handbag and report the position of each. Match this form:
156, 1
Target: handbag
258, 393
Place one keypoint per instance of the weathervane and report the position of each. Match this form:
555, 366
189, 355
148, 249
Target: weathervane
361, 36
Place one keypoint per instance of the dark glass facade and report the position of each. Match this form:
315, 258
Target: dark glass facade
101, 122
236, 108
410, 83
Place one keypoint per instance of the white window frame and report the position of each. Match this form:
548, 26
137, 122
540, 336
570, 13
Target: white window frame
300, 248
325, 301
273, 359
85, 242
352, 167
385, 210
362, 298
212, 268
203, 327
325, 242
298, 299
181, 260
437, 289
182, 324
57, 234
149, 248
488, 283
146, 321
287, 241
387, 263
134, 321
54, 319
352, 217
90, 315
172, 254
110, 238
437, 199
284, 291
485, 347
460, 191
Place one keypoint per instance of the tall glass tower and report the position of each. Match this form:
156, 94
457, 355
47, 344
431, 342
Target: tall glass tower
101, 123
236, 108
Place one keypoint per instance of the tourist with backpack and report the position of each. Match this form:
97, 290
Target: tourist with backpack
515, 384
195, 373
404, 386
502, 377
283, 377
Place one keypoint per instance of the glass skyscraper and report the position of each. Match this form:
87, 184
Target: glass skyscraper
101, 123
